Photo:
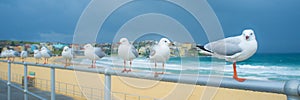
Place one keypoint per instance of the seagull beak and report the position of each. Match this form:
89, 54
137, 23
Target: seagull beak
119, 43
247, 37
171, 44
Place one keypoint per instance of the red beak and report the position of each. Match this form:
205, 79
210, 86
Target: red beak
247, 37
119, 43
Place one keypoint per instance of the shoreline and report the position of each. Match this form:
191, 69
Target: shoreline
142, 87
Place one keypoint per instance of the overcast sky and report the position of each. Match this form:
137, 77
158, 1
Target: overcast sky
276, 22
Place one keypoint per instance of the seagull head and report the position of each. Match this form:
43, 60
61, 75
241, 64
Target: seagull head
43, 48
123, 41
87, 46
66, 48
248, 34
35, 51
164, 41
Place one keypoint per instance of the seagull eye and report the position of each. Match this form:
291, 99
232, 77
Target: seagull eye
251, 33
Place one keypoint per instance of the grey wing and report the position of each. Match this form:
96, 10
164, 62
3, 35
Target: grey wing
73, 53
227, 47
134, 51
99, 52
49, 53
16, 53
152, 51
23, 53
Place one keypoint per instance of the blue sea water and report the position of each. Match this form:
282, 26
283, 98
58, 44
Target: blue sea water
259, 66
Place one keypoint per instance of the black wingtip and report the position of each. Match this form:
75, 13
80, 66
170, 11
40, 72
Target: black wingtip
202, 48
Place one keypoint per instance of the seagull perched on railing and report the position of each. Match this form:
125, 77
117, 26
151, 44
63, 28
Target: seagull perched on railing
93, 53
37, 55
233, 49
4, 54
67, 54
46, 54
12, 54
126, 51
160, 53
23, 55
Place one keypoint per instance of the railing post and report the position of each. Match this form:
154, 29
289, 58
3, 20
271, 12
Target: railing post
8, 80
25, 82
107, 93
52, 83
292, 90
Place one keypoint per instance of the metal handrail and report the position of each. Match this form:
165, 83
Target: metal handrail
290, 88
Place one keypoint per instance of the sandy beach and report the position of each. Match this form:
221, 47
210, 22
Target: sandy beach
149, 88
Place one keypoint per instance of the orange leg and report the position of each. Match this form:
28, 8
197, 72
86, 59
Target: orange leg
94, 64
23, 59
44, 60
163, 70
156, 73
124, 70
66, 63
13, 59
235, 76
130, 63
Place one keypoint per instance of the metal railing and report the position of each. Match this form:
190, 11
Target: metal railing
64, 88
61, 87
290, 88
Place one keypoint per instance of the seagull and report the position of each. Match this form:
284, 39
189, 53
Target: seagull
233, 49
4, 54
12, 54
93, 53
46, 54
67, 54
126, 51
24, 55
160, 53
37, 55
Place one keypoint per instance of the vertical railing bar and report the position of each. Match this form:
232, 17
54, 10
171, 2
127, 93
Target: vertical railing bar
66, 88
73, 90
58, 87
101, 92
91, 93
52, 83
41, 84
12, 77
46, 84
124, 96
107, 93
25, 82
8, 80
82, 94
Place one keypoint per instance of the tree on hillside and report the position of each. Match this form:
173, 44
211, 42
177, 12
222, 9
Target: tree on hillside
12, 43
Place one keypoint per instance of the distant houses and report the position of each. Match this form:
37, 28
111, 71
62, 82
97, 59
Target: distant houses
143, 47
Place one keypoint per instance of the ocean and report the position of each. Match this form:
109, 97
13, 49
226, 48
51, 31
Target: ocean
260, 66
